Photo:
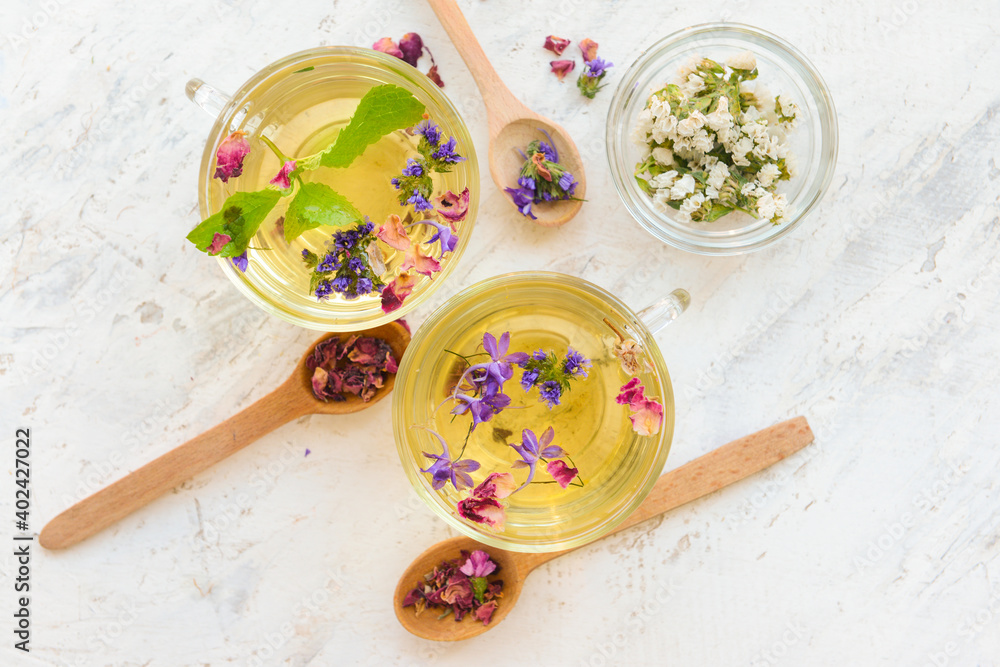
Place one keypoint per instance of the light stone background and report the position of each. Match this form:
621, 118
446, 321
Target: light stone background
876, 319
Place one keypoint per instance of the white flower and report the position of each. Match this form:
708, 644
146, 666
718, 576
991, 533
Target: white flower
720, 118
702, 141
765, 206
747, 189
744, 60
762, 97
691, 124
717, 177
664, 180
643, 126
788, 108
683, 187
780, 205
688, 68
741, 148
691, 204
750, 115
692, 85
663, 155
660, 199
711, 193
663, 128
767, 174
659, 107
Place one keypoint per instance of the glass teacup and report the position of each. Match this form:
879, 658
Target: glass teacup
300, 103
617, 456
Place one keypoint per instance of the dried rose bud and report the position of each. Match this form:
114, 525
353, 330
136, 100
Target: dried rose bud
562, 67
229, 157
453, 207
282, 179
556, 44
386, 45
412, 47
589, 49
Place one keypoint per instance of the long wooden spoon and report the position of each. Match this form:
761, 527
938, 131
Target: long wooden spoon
512, 125
293, 399
721, 467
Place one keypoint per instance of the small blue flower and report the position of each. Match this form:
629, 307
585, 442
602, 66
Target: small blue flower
523, 199
418, 201
323, 289
395, 182
576, 363
446, 152
241, 262
550, 392
364, 286
368, 227
596, 67
526, 182
548, 151
413, 168
355, 265
341, 284
539, 355
329, 263
567, 183
430, 132
529, 378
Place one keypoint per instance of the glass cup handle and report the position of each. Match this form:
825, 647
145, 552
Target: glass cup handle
207, 97
665, 311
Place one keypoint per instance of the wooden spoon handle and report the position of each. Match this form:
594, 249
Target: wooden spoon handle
138, 488
501, 105
720, 467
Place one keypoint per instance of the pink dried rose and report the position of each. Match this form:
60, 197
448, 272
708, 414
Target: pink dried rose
393, 233
415, 259
282, 180
478, 565
357, 365
386, 45
497, 485
589, 49
647, 417
219, 241
561, 472
451, 586
396, 292
453, 207
412, 47
487, 511
484, 612
631, 393
562, 67
556, 44
229, 157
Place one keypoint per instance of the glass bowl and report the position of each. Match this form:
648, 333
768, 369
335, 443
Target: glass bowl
783, 70
549, 311
284, 102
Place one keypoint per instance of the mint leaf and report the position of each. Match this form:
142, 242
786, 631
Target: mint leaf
382, 110
478, 587
239, 218
316, 204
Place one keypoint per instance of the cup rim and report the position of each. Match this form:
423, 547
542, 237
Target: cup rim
220, 129
641, 487
665, 232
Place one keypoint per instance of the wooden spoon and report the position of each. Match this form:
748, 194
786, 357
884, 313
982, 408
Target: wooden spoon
293, 399
721, 467
512, 125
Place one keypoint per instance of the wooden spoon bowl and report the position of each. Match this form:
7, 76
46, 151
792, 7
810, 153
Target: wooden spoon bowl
293, 399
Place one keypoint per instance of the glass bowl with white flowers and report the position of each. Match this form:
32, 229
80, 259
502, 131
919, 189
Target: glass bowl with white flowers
721, 138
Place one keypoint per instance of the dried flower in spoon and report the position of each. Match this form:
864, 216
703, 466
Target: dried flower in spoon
357, 365
542, 178
460, 587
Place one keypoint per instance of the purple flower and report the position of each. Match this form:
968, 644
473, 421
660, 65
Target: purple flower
576, 363
526, 182
444, 234
323, 289
523, 199
539, 355
241, 262
430, 132
341, 284
355, 265
550, 392
482, 408
567, 182
478, 565
445, 470
413, 168
533, 448
596, 67
498, 367
529, 379
364, 286
446, 152
548, 151
329, 263
418, 201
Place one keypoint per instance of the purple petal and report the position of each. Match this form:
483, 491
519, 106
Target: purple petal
517, 357
547, 437
503, 345
490, 344
553, 452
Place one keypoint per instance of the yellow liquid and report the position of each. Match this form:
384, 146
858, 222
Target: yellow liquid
589, 425
302, 122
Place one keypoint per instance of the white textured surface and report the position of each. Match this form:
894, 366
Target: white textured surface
876, 319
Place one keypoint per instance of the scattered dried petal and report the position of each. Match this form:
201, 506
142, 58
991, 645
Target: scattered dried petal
386, 45
562, 67
411, 47
556, 44
647, 418
589, 49
561, 472
229, 157
415, 259
219, 241
433, 75
453, 207
282, 180
487, 511
393, 233
395, 292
